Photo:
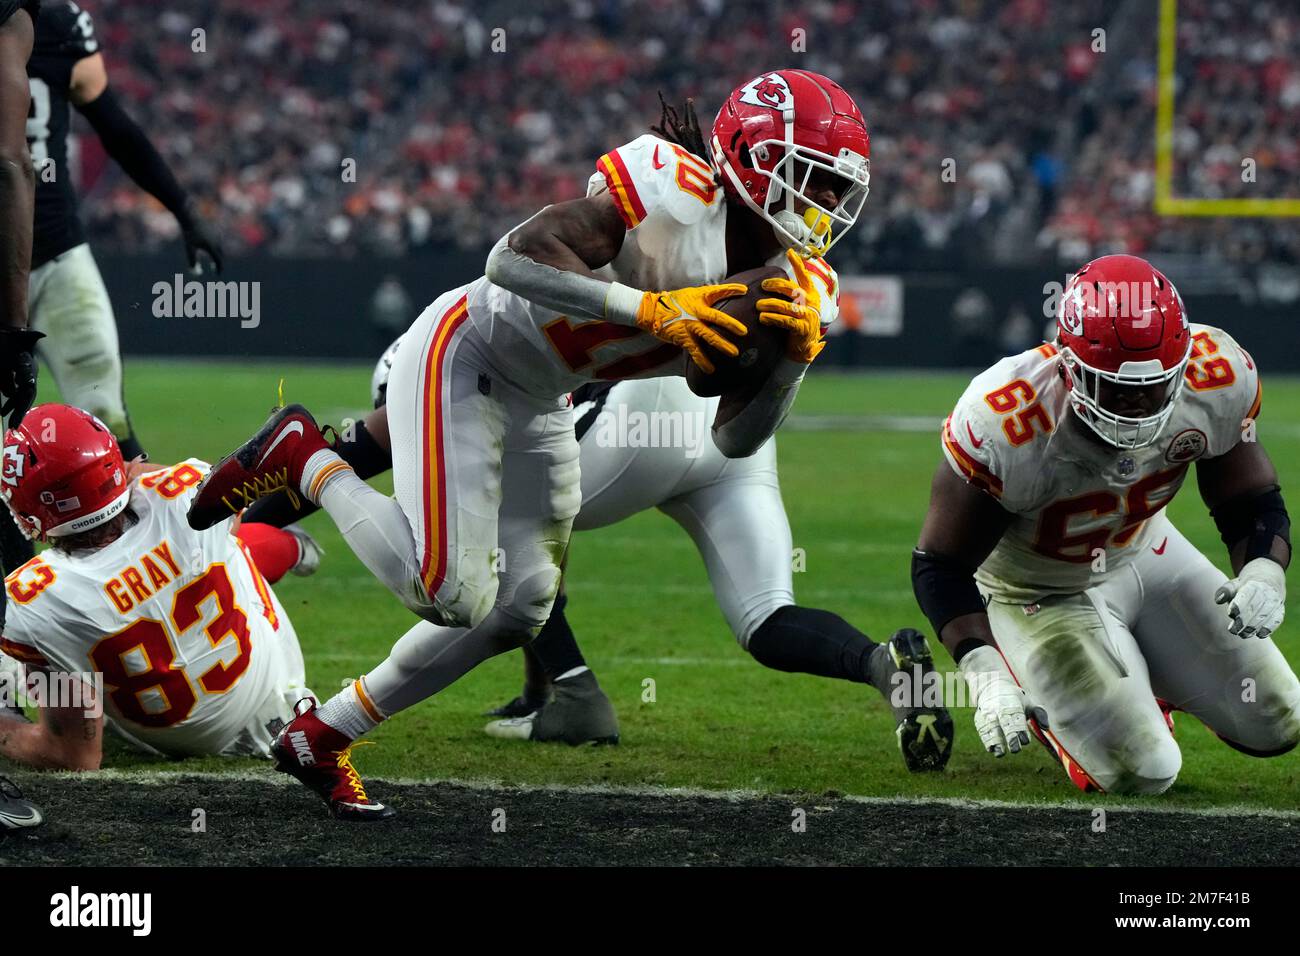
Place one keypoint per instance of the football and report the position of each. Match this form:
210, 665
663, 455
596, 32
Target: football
739, 376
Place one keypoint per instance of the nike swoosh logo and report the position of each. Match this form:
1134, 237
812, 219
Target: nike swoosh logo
655, 160
295, 428
1161, 549
975, 441
29, 819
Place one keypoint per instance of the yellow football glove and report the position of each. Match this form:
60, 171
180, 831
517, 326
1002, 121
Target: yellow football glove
800, 313
686, 318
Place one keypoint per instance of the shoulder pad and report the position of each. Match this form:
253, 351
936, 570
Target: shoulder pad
1221, 388
1003, 411
178, 481
65, 29
651, 175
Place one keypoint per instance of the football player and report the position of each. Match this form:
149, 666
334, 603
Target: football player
17, 366
68, 301
195, 652
731, 508
1050, 570
485, 459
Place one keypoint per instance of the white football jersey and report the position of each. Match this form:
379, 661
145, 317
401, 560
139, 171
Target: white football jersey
1082, 508
194, 648
676, 219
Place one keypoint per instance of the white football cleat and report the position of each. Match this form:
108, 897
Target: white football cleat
309, 552
512, 728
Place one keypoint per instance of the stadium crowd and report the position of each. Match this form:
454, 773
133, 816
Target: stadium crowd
986, 144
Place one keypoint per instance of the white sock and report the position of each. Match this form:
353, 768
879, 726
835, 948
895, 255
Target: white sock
320, 468
348, 713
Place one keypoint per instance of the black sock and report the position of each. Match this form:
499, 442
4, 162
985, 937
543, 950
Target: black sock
808, 641
556, 647
358, 448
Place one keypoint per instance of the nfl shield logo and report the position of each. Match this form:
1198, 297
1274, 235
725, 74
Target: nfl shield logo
1126, 466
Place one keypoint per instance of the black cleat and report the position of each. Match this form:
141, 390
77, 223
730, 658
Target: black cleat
577, 713
924, 729
521, 706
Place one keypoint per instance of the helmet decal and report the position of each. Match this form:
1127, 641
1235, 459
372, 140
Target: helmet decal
12, 469
770, 90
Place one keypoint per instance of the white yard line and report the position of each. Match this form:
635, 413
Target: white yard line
167, 777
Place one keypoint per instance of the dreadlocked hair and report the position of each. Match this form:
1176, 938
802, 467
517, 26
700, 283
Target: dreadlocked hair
682, 129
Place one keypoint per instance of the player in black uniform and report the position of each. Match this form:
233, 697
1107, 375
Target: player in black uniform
68, 301
17, 367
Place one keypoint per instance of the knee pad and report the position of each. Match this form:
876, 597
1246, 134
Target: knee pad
532, 600
461, 603
1271, 738
1149, 771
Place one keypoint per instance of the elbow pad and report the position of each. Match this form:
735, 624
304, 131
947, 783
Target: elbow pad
944, 589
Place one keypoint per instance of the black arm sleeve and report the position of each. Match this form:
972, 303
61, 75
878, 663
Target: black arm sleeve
1256, 518
944, 589
127, 143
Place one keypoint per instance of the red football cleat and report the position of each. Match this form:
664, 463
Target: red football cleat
1167, 709
271, 460
321, 757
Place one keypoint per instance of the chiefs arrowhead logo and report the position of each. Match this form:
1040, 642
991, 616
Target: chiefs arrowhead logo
1188, 445
770, 90
12, 469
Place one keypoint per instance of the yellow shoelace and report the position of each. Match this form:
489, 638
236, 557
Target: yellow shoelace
260, 487
344, 763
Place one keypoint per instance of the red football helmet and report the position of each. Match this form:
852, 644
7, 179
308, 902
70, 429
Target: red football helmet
777, 132
1124, 340
62, 472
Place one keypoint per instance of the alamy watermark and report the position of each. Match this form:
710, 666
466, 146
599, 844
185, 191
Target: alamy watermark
84, 692
623, 427
191, 299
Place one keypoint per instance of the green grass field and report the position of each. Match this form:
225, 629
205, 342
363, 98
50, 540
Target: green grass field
641, 606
